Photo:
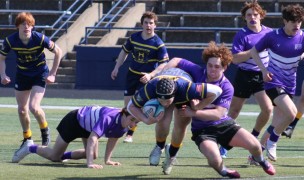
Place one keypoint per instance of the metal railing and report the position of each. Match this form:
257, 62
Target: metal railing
236, 15
106, 16
64, 17
70, 17
217, 31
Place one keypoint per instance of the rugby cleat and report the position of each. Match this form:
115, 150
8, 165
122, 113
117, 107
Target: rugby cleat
288, 132
155, 155
22, 151
128, 139
251, 161
271, 150
233, 174
169, 161
268, 167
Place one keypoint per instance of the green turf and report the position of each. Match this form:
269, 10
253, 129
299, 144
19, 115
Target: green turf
134, 157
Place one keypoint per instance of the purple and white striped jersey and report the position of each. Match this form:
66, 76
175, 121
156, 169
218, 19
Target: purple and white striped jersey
284, 56
199, 75
244, 40
104, 121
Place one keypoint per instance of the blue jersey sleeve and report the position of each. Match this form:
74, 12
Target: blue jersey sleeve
6, 47
145, 93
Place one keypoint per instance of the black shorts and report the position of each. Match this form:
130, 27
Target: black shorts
132, 83
246, 83
24, 83
220, 133
275, 92
69, 128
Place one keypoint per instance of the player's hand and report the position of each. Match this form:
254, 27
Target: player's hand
113, 163
194, 103
114, 73
50, 79
5, 80
95, 166
185, 111
267, 76
152, 119
145, 78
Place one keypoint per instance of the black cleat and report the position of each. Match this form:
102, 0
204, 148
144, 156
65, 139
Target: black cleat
288, 132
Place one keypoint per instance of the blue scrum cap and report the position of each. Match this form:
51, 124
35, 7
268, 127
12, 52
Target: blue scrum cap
165, 88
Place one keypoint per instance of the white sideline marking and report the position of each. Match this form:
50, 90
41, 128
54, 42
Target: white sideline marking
44, 107
75, 107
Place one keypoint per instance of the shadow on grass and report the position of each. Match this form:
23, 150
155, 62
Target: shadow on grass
143, 176
59, 165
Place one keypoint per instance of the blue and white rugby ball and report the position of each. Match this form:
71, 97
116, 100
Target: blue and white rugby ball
153, 106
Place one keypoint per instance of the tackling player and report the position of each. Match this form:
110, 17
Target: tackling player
210, 125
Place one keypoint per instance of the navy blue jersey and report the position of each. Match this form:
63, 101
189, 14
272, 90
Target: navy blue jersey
147, 54
186, 90
30, 57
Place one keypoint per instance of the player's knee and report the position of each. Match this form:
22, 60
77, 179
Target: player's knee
22, 111
35, 109
266, 110
233, 113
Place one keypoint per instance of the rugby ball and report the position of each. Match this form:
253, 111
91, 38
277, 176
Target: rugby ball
153, 106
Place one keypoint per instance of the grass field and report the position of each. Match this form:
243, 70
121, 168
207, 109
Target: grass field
134, 156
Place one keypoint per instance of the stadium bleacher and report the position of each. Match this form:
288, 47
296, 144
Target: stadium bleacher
182, 23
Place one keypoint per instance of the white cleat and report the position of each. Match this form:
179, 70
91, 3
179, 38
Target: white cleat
22, 151
169, 161
271, 149
128, 139
155, 155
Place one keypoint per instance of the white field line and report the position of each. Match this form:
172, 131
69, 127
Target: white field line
75, 107
44, 107
242, 113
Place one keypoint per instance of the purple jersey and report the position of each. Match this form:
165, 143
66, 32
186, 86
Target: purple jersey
244, 40
147, 54
199, 75
30, 58
284, 56
104, 121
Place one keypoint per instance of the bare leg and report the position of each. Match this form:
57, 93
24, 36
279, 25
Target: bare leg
22, 98
266, 110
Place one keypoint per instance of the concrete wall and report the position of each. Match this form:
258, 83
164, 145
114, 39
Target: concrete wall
76, 31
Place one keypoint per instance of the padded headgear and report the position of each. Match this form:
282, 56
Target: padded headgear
165, 88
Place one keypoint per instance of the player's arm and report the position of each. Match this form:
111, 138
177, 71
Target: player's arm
109, 150
58, 55
208, 93
119, 61
241, 57
255, 55
157, 70
92, 150
4, 78
139, 115
205, 114
172, 63
148, 76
